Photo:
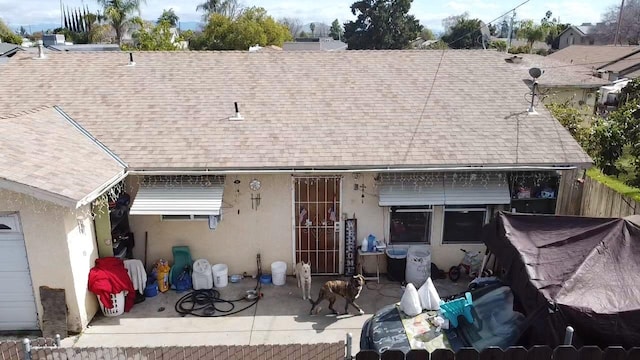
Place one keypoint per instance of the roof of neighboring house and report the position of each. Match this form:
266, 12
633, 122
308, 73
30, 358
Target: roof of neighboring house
85, 47
46, 153
325, 45
558, 73
7, 49
592, 56
582, 30
302, 110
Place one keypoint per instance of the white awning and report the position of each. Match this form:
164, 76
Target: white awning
476, 189
411, 189
182, 200
418, 189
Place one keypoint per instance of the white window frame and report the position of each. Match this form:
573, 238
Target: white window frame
487, 216
411, 209
181, 218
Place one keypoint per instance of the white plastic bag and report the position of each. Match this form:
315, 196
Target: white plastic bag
429, 298
410, 301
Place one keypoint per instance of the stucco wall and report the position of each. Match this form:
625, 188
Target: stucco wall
583, 99
244, 232
82, 255
45, 235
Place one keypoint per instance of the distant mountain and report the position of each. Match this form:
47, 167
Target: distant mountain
35, 27
190, 25
184, 25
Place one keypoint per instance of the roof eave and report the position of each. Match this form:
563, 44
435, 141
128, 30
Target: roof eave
37, 193
102, 189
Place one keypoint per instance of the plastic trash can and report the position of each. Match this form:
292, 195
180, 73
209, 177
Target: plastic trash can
418, 264
220, 275
279, 273
396, 263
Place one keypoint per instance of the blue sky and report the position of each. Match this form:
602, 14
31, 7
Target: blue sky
430, 13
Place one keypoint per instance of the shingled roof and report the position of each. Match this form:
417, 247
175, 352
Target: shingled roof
45, 154
302, 110
558, 73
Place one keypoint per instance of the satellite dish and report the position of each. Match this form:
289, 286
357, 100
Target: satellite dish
535, 72
486, 34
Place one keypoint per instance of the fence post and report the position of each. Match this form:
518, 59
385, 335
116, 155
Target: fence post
27, 348
58, 340
568, 336
349, 346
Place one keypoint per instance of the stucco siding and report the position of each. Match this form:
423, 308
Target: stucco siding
582, 99
268, 230
82, 254
242, 233
46, 243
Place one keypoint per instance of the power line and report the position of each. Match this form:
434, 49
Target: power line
435, 76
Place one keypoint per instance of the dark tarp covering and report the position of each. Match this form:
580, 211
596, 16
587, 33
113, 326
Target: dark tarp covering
586, 269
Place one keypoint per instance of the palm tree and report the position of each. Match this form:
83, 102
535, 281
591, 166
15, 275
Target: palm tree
228, 8
120, 14
169, 16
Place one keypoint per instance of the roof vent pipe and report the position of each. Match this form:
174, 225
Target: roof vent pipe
131, 62
40, 50
238, 116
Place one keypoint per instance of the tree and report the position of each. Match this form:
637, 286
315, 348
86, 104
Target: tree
9, 36
605, 30
303, 35
153, 38
427, 34
381, 24
293, 24
253, 27
464, 34
312, 27
120, 14
228, 8
169, 16
100, 34
336, 31
531, 32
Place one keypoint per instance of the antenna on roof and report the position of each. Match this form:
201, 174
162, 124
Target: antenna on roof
535, 74
238, 116
131, 62
486, 34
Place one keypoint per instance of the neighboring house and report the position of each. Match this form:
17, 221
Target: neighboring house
562, 82
423, 150
85, 47
606, 61
320, 44
421, 43
7, 50
575, 35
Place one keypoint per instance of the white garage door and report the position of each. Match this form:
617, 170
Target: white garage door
17, 303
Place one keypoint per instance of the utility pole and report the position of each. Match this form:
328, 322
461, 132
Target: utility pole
511, 31
617, 37
61, 16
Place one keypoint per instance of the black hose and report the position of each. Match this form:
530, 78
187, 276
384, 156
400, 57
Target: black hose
205, 303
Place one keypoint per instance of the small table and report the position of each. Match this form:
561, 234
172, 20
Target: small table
377, 254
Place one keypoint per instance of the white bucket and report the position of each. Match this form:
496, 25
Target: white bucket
220, 275
418, 264
202, 275
279, 273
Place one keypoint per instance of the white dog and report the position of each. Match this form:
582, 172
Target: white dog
303, 276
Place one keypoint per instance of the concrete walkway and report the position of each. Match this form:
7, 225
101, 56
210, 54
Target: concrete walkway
280, 317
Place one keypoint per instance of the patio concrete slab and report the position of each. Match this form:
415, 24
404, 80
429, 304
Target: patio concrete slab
280, 317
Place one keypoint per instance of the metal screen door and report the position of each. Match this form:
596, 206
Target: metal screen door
317, 218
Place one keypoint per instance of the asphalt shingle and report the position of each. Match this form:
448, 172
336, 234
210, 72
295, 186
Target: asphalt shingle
41, 149
301, 109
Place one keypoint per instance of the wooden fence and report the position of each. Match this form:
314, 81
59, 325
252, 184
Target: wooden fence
513, 353
592, 198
